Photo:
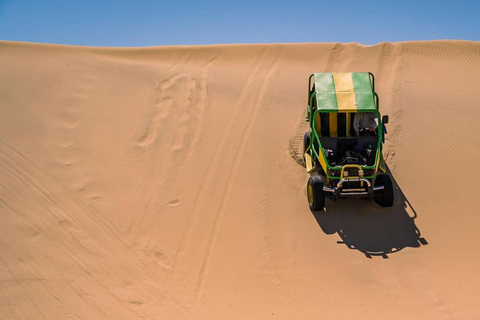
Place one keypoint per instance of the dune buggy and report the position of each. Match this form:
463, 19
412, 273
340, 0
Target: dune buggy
344, 159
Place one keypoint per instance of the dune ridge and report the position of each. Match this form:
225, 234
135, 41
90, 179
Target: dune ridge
167, 183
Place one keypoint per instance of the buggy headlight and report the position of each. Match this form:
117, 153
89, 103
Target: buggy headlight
345, 173
360, 173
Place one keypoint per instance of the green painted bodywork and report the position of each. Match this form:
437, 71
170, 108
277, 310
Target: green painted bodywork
363, 92
325, 91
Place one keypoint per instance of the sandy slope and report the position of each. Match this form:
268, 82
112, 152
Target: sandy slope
164, 183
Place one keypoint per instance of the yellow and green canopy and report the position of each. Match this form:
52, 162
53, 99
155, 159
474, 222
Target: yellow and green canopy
344, 92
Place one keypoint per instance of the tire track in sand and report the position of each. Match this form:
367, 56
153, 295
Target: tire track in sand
231, 179
179, 257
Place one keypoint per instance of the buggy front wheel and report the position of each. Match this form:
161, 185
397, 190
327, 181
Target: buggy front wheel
315, 193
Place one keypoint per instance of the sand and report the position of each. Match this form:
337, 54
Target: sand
165, 183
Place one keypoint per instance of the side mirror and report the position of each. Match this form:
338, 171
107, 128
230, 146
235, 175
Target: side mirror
385, 119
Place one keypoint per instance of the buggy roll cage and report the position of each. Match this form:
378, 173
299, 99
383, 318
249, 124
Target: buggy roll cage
314, 136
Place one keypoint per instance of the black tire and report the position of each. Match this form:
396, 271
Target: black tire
385, 196
315, 194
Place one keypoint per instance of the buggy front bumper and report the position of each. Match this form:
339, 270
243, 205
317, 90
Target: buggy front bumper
339, 192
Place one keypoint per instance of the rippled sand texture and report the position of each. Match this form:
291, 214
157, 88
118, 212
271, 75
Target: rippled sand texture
166, 183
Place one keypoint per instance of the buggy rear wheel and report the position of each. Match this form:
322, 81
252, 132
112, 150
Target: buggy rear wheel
384, 197
315, 194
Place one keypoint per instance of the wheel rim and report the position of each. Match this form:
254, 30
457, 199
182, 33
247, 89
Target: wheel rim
310, 195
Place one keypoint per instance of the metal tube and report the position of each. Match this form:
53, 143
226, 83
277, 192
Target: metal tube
340, 183
347, 194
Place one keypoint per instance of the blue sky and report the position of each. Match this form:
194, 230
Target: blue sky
173, 22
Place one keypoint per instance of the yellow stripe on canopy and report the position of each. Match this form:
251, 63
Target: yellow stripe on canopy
345, 92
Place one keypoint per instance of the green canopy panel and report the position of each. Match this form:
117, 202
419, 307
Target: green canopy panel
344, 92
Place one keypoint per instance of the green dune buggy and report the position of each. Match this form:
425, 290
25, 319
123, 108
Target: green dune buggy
343, 148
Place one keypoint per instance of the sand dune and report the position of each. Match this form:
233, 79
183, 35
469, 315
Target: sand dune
166, 183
